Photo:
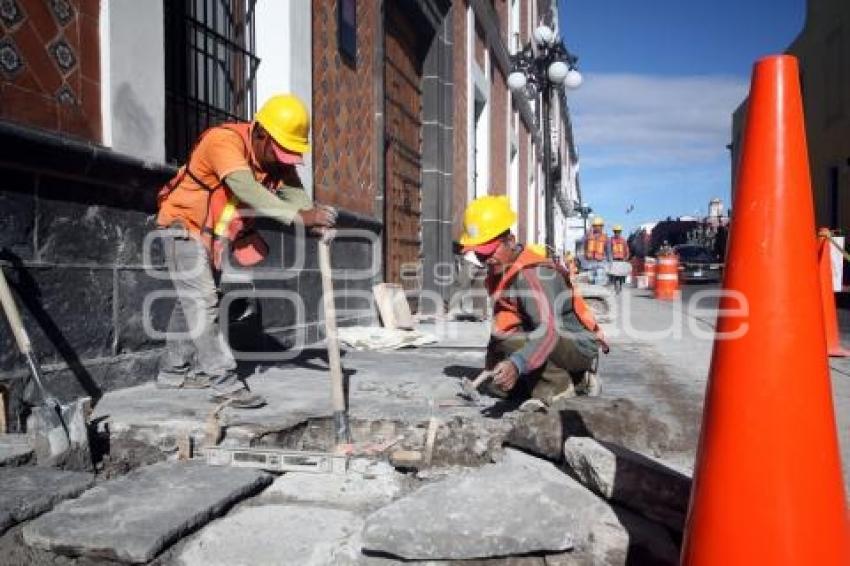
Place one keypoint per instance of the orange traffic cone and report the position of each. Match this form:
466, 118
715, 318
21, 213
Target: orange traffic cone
767, 486
830, 317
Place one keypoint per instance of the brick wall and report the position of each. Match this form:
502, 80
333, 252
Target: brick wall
461, 98
50, 65
498, 132
523, 138
344, 111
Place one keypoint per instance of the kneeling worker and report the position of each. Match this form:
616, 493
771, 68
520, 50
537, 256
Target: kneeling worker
204, 211
545, 343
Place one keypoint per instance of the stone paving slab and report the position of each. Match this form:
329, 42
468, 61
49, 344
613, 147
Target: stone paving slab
134, 517
521, 505
366, 486
402, 386
276, 535
26, 492
15, 450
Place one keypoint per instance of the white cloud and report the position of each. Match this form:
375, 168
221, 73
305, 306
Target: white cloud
629, 120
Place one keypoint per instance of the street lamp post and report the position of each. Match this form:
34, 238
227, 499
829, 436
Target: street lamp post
550, 67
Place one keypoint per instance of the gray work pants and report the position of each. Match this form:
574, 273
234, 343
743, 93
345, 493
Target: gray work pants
195, 348
562, 372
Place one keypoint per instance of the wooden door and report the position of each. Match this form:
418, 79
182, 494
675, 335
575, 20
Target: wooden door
403, 154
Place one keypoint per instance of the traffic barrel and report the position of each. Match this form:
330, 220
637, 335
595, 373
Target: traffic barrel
830, 316
667, 279
649, 265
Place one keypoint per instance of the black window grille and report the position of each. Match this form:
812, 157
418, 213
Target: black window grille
210, 68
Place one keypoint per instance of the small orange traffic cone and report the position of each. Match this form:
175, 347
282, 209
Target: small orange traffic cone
830, 317
767, 485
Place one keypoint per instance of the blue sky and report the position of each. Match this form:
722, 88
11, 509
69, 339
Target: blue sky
662, 78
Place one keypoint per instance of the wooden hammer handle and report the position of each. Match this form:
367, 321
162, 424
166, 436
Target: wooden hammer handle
13, 316
337, 394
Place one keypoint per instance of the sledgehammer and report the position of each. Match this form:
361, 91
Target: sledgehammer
342, 432
54, 425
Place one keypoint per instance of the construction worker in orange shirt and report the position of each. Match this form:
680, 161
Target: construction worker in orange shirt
596, 252
544, 343
203, 213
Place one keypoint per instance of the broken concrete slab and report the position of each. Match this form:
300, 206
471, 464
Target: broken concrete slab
26, 492
276, 534
134, 517
366, 486
520, 505
384, 386
15, 450
393, 306
610, 420
630, 479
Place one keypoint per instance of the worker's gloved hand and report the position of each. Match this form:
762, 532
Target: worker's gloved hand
319, 216
505, 375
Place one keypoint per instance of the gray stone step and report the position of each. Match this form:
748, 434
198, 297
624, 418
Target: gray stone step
519, 506
277, 535
27, 492
15, 450
630, 479
134, 517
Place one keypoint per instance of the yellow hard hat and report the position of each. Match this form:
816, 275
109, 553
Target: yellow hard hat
485, 218
617, 228
598, 221
287, 121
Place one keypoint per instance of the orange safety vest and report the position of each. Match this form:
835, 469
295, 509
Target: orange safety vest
219, 217
506, 314
595, 246
619, 248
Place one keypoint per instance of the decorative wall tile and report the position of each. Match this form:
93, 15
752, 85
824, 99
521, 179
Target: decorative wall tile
63, 55
11, 61
10, 14
62, 10
50, 65
65, 95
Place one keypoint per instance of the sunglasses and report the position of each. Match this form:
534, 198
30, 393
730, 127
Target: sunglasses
483, 257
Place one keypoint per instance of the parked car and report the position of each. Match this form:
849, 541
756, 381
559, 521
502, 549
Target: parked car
697, 263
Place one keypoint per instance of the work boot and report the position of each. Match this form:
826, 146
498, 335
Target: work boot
239, 399
165, 380
533, 406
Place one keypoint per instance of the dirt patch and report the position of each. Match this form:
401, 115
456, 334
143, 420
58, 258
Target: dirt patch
459, 441
123, 455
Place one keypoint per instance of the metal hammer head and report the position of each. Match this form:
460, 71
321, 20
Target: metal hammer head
470, 388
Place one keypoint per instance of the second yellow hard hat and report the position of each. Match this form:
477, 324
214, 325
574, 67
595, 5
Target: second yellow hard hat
287, 121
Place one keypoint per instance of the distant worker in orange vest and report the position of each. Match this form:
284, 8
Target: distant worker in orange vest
233, 167
545, 342
619, 245
596, 252
619, 252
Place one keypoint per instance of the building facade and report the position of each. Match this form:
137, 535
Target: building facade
100, 100
823, 49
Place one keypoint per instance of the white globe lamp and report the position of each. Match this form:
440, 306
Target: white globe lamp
543, 36
517, 81
573, 79
557, 72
